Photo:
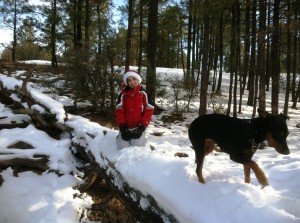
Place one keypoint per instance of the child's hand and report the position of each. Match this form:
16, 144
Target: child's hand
137, 133
125, 133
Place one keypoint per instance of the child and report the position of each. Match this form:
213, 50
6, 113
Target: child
133, 112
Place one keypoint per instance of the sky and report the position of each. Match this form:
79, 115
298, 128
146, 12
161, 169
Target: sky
5, 36
171, 180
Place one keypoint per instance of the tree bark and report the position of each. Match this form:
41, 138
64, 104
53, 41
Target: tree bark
221, 36
288, 60
251, 79
129, 35
205, 71
275, 57
245, 68
14, 32
140, 53
151, 49
53, 35
261, 60
38, 164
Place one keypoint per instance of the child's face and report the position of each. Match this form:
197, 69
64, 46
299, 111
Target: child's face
132, 82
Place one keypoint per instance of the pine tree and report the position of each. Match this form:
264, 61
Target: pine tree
12, 12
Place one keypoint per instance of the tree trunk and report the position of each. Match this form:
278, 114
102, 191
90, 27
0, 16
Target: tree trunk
295, 92
233, 65
189, 37
245, 69
77, 30
221, 29
14, 33
151, 50
296, 96
79, 25
140, 53
288, 59
87, 31
294, 68
275, 57
129, 35
237, 57
268, 41
261, 60
205, 71
251, 79
53, 35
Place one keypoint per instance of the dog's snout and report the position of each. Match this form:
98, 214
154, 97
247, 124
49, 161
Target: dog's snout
281, 148
284, 150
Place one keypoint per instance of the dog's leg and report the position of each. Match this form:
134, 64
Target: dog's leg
247, 173
261, 177
200, 154
209, 146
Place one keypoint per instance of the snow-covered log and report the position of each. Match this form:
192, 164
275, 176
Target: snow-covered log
144, 208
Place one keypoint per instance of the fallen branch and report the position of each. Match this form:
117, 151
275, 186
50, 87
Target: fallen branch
7, 100
38, 164
13, 125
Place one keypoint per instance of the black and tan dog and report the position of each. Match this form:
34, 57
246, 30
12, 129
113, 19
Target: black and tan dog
239, 138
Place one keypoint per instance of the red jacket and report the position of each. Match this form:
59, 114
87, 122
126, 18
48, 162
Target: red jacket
133, 107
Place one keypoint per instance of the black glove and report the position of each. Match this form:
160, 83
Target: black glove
137, 133
125, 133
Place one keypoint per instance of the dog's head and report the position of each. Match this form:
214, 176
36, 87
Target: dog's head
277, 131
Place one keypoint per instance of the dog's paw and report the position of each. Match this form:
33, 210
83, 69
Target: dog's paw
263, 186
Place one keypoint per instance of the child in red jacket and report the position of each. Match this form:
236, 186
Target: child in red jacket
133, 112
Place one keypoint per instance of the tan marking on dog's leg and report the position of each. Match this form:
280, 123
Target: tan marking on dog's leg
260, 175
199, 171
247, 174
209, 146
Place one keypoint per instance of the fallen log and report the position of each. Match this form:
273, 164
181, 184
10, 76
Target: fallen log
37, 165
8, 101
13, 125
143, 207
11, 122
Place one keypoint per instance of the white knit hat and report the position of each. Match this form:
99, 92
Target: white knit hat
131, 73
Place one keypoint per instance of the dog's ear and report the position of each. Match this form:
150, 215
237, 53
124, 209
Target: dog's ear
284, 116
262, 113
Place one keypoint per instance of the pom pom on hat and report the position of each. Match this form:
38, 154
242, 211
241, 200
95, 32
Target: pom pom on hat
131, 73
